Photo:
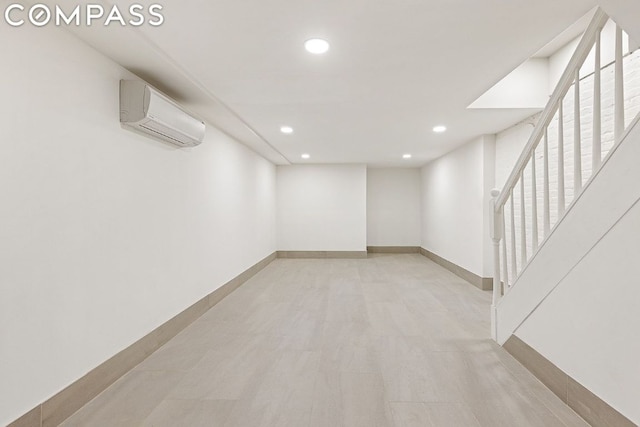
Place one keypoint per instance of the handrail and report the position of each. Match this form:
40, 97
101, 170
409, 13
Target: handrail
566, 80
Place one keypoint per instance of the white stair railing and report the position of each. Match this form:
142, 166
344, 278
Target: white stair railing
512, 251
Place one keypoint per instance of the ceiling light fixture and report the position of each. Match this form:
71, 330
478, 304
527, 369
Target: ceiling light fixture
316, 46
439, 129
305, 156
406, 156
286, 130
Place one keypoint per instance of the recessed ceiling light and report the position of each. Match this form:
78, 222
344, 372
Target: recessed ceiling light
406, 156
286, 129
316, 46
439, 129
305, 156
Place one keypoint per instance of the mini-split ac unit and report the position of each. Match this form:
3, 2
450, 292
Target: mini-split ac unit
145, 110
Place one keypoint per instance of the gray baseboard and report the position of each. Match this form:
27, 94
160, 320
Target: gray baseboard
594, 410
483, 283
322, 254
63, 404
393, 249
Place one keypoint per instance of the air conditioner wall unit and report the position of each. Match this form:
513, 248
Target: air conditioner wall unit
145, 110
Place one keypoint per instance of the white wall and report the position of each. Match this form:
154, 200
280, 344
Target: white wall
105, 234
455, 194
393, 207
524, 87
509, 145
322, 208
596, 341
488, 184
558, 62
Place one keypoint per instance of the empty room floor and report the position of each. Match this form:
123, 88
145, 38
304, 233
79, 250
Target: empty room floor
391, 340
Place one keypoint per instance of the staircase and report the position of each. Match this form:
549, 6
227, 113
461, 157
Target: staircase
566, 235
551, 176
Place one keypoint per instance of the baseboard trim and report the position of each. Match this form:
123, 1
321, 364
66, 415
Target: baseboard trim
483, 283
393, 249
63, 404
590, 407
322, 254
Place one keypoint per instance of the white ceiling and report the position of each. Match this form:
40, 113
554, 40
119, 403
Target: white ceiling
396, 68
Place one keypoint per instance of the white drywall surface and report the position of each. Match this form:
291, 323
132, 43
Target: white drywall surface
455, 196
322, 208
588, 325
105, 234
393, 207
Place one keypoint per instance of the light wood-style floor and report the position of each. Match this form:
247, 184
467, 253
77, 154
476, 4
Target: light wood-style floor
392, 340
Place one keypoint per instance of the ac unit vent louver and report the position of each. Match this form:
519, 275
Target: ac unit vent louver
163, 134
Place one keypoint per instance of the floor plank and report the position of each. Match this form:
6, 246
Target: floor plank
391, 340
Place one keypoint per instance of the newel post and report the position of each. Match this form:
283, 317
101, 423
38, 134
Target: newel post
496, 236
